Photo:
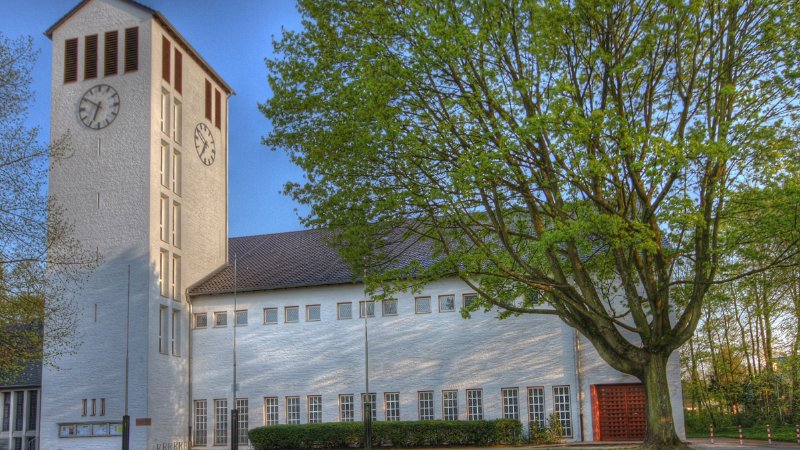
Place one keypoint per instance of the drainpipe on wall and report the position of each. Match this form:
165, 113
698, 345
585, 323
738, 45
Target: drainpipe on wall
579, 375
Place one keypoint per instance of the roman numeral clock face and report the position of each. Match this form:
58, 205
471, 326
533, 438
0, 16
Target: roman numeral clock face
99, 107
204, 143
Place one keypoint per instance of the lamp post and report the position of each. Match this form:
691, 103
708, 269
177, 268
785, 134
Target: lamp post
126, 419
367, 403
234, 410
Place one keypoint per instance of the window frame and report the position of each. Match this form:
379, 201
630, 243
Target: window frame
295, 401
391, 406
387, 302
220, 314
417, 301
272, 412
220, 425
286, 310
509, 403
204, 315
200, 431
564, 416
237, 314
308, 313
537, 412
450, 404
338, 310
343, 408
363, 308
314, 408
452, 297
422, 411
474, 404
273, 309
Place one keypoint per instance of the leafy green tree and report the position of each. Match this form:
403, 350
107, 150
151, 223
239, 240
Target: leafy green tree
577, 155
39, 258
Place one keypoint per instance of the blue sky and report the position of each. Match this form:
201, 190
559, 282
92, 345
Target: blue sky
214, 28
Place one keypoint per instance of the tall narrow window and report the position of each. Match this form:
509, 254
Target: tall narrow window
131, 49
200, 422
510, 403
33, 408
450, 405
346, 408
175, 227
271, 415
165, 165
162, 273
292, 410
208, 100
102, 407
110, 53
165, 49
176, 121
425, 401
217, 108
176, 172
90, 58
391, 405
162, 329
165, 111
220, 422
94, 407
562, 407
6, 411
19, 403
536, 407
174, 333
314, 408
84, 407
163, 217
244, 420
474, 404
178, 71
70, 60
369, 403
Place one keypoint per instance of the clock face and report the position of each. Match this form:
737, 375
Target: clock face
204, 142
99, 107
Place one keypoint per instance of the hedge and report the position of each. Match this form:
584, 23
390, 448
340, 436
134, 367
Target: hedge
396, 434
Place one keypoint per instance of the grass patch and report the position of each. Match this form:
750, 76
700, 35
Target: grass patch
784, 433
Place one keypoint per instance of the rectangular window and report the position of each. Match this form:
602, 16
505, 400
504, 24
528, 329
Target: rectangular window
271, 416
241, 318
474, 404
220, 422
312, 313
19, 403
17, 443
165, 50
425, 403
175, 332
110, 53
164, 165
208, 100
217, 108
450, 405
175, 226
71, 60
346, 408
469, 299
291, 314
200, 422
163, 257
422, 305
102, 407
165, 111
536, 407
90, 58
510, 403
389, 307
84, 407
131, 49
562, 407
314, 408
366, 308
447, 303
7, 411
178, 71
244, 420
270, 316
292, 410
176, 172
162, 329
33, 408
391, 404
220, 319
369, 402
163, 212
201, 320
344, 310
177, 128
94, 410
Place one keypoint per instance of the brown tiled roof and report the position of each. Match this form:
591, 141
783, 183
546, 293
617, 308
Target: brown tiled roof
291, 260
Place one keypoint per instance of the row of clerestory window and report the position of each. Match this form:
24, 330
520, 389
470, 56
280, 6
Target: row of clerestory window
110, 55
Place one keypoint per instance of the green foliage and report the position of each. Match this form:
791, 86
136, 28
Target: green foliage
397, 434
551, 434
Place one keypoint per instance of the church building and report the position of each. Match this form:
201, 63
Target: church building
180, 323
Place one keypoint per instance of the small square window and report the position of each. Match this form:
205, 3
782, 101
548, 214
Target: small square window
312, 313
221, 319
270, 315
469, 299
292, 314
422, 305
389, 307
200, 320
241, 317
447, 303
344, 310
366, 308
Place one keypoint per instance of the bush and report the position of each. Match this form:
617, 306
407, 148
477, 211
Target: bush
396, 434
546, 435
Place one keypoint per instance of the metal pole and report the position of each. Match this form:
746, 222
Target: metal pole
234, 410
367, 396
126, 419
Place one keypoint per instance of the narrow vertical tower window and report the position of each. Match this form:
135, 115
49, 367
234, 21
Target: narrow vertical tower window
90, 60
165, 49
131, 49
178, 71
110, 53
70, 60
208, 100
217, 108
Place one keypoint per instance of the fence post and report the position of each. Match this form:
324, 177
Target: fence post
741, 436
797, 433
769, 434
711, 432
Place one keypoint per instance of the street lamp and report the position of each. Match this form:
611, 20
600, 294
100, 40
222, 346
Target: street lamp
367, 403
234, 410
126, 419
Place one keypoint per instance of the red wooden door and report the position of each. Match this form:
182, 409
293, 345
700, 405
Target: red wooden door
618, 412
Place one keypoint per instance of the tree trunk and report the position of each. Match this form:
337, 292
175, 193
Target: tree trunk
660, 432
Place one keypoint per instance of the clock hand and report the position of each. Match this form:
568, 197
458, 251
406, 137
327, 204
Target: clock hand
96, 110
